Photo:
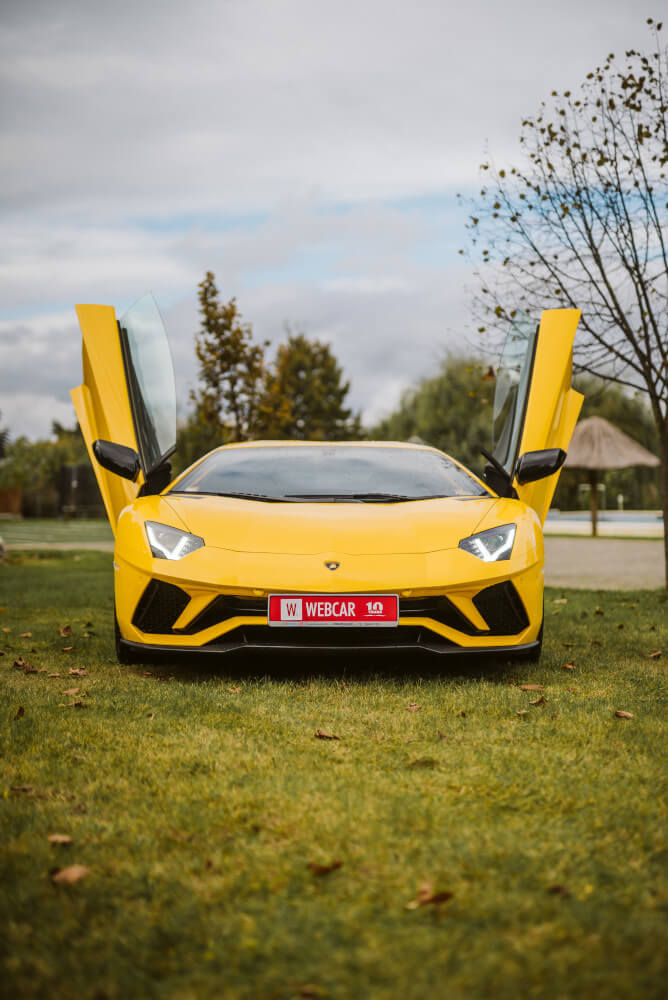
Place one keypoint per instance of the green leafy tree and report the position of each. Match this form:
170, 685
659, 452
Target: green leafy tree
582, 222
451, 411
231, 369
304, 395
4, 439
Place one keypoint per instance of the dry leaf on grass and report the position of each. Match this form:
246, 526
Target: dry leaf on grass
541, 700
59, 839
72, 691
77, 672
427, 897
25, 635
558, 890
26, 789
596, 642
21, 664
522, 711
320, 734
65, 631
68, 649
2, 652
532, 687
598, 610
413, 707
621, 625
442, 736
560, 600
568, 645
54, 675
655, 654
324, 869
235, 690
147, 673
623, 715
6, 630
70, 875
461, 715
20, 712
568, 666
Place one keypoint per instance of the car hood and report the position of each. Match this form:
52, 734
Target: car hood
308, 528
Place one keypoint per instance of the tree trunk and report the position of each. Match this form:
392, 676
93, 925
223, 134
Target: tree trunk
663, 446
593, 501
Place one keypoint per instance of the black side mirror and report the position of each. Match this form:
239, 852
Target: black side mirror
535, 465
117, 458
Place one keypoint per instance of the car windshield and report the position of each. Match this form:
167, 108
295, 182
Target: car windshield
354, 473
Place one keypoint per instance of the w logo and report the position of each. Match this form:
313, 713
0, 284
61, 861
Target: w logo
291, 609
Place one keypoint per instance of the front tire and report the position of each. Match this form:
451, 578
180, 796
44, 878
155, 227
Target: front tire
124, 656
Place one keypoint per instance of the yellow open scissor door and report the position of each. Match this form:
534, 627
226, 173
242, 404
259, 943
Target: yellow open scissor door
535, 407
128, 394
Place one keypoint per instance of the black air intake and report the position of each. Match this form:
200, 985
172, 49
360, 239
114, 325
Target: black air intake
501, 607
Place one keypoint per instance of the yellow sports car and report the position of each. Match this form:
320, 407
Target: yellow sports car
312, 545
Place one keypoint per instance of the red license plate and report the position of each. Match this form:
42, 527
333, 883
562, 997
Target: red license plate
333, 609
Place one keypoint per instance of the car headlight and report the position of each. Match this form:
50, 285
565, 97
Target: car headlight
171, 543
491, 545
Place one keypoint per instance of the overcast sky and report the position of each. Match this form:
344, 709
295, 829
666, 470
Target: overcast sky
307, 152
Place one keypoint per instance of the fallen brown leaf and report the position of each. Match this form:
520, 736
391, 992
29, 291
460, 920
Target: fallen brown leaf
25, 635
623, 715
598, 610
568, 645
558, 890
541, 700
556, 611
321, 735
147, 673
427, 897
621, 625
21, 664
68, 649
652, 628
522, 711
655, 654
560, 600
442, 736
65, 631
77, 672
461, 715
72, 691
26, 789
568, 666
2, 652
6, 630
54, 675
324, 869
20, 712
532, 687
70, 875
150, 715
413, 707
235, 690
59, 839
596, 642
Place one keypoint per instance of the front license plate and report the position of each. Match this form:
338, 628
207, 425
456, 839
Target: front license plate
333, 609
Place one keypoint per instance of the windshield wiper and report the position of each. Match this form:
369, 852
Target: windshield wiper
359, 497
234, 496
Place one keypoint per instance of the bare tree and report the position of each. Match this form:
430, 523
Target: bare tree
582, 223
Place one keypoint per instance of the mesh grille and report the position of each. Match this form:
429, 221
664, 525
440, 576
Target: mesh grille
159, 607
501, 607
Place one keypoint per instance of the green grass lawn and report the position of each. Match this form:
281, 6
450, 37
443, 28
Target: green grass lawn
36, 531
197, 797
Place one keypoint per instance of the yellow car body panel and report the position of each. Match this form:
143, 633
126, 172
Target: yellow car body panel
252, 549
102, 404
552, 407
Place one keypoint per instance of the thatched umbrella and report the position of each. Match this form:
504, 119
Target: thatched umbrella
598, 445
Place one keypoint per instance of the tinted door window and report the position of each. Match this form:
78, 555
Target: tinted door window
513, 380
150, 378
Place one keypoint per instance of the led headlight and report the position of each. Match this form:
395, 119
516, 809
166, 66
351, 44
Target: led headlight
171, 543
491, 545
